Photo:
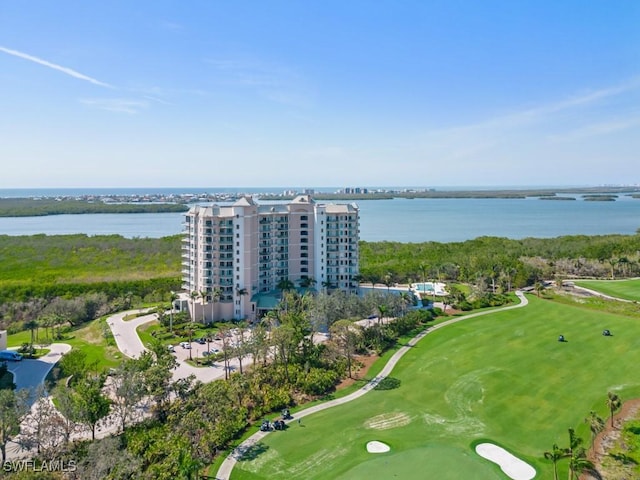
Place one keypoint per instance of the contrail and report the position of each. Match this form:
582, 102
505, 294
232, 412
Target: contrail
60, 68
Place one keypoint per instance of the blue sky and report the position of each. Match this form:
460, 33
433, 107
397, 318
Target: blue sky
329, 93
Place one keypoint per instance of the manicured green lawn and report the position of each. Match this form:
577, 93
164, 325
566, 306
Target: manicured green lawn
503, 377
87, 337
628, 289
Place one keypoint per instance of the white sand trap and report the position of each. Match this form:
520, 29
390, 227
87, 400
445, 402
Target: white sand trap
512, 466
377, 447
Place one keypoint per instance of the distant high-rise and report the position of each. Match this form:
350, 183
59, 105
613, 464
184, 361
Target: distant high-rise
236, 259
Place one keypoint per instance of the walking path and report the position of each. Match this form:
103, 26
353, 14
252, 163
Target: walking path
224, 472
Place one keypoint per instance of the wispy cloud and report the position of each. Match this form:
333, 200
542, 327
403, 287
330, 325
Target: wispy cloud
119, 105
545, 111
54, 66
594, 129
275, 82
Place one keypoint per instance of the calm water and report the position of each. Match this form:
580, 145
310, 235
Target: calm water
403, 220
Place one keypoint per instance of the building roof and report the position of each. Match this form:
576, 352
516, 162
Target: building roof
266, 301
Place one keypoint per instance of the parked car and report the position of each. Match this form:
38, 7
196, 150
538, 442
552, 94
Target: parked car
186, 345
201, 341
171, 348
10, 355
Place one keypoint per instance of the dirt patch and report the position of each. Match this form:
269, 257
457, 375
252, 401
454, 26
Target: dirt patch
609, 436
365, 362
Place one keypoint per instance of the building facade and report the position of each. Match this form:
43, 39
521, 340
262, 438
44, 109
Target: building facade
236, 259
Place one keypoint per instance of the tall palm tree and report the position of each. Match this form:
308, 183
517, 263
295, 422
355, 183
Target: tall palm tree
285, 285
242, 292
216, 295
578, 463
203, 298
388, 281
613, 404
33, 326
193, 296
574, 441
172, 298
596, 425
555, 455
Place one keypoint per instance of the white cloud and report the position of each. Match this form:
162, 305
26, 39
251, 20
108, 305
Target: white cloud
119, 105
60, 68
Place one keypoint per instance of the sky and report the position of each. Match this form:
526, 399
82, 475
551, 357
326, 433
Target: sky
319, 93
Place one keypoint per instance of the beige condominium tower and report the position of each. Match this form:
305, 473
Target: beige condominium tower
237, 259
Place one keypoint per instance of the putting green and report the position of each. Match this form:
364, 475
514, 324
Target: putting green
503, 377
437, 462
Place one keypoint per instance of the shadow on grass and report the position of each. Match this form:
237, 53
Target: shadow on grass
388, 383
246, 454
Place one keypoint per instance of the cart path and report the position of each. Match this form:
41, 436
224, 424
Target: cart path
224, 472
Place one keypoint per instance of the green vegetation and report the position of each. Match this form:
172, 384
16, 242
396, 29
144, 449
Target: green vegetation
623, 460
464, 383
501, 263
627, 289
73, 259
89, 338
29, 207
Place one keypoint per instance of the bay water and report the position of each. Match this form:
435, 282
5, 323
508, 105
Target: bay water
402, 220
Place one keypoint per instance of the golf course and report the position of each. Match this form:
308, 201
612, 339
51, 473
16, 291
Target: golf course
502, 378
627, 289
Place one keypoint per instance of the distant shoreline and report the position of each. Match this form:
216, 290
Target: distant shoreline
163, 202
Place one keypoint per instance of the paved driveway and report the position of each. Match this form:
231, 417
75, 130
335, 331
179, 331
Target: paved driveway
31, 373
129, 343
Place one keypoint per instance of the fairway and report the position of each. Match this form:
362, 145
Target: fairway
627, 289
502, 378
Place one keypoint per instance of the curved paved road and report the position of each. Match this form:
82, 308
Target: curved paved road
129, 343
224, 472
30, 374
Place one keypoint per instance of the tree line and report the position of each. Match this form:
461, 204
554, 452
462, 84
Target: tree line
29, 207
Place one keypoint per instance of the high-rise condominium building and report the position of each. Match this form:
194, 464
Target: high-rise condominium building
237, 259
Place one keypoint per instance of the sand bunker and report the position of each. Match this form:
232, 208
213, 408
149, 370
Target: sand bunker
377, 447
512, 466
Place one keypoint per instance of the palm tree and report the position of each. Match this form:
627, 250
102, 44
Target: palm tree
596, 425
613, 404
33, 326
285, 285
241, 293
574, 441
539, 288
554, 455
578, 463
388, 281
406, 300
203, 299
172, 298
193, 296
215, 298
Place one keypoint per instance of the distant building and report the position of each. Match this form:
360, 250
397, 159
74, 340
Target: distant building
236, 258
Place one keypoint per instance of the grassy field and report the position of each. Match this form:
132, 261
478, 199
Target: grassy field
88, 338
628, 289
503, 378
